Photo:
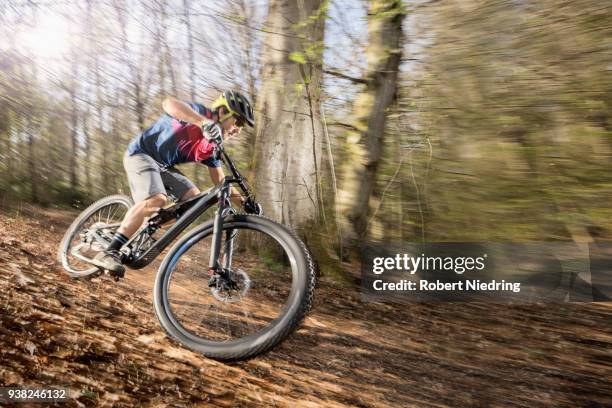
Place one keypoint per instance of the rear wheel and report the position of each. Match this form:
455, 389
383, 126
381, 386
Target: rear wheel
258, 301
90, 233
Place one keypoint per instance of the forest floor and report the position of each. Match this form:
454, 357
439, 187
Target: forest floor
100, 340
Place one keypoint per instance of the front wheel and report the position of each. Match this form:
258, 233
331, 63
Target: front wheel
265, 292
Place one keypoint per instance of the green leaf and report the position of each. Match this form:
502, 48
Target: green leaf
298, 57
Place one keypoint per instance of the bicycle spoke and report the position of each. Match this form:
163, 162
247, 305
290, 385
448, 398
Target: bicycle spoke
108, 215
114, 212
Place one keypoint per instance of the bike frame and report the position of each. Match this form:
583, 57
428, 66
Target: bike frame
219, 194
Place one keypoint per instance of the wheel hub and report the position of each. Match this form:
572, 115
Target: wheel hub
230, 287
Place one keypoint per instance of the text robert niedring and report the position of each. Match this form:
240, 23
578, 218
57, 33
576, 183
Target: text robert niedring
466, 285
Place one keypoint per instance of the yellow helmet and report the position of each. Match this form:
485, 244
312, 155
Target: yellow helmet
237, 105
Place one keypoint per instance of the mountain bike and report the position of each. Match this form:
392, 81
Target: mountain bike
230, 288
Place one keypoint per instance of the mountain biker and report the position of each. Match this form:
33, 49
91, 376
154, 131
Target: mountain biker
187, 132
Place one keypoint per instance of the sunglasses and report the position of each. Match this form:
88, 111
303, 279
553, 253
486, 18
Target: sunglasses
239, 122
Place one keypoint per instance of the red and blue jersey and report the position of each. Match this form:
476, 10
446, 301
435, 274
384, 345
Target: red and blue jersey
170, 141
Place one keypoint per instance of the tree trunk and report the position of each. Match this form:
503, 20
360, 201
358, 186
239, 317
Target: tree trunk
161, 48
33, 173
289, 131
138, 88
190, 51
8, 159
6, 128
364, 143
86, 117
115, 154
100, 102
87, 148
139, 103
192, 74
74, 143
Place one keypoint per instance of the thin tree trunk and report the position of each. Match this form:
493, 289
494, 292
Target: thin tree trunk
139, 88
100, 133
364, 143
190, 50
32, 159
170, 68
192, 74
160, 44
33, 173
87, 148
86, 118
6, 129
289, 130
9, 155
115, 159
139, 104
74, 143
167, 54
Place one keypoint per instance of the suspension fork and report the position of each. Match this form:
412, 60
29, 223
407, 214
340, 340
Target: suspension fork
223, 210
229, 248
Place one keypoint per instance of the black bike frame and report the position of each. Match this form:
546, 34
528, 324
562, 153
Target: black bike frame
219, 194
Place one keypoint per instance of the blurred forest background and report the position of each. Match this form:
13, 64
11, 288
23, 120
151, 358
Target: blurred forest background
377, 120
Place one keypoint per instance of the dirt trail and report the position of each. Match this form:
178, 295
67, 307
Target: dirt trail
100, 339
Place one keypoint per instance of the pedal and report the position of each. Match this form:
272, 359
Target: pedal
115, 275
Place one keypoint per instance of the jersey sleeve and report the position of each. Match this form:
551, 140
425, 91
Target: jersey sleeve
198, 107
211, 162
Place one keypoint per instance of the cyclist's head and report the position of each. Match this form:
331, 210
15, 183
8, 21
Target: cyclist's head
232, 103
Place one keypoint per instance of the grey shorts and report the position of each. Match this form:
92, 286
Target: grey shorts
147, 178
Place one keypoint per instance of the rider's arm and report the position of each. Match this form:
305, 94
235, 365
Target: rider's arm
217, 176
181, 111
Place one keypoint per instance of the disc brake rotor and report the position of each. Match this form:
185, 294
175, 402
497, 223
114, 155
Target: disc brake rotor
234, 289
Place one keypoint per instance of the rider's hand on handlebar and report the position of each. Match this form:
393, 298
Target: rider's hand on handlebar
252, 207
213, 132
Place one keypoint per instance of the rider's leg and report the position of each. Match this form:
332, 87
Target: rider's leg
149, 193
141, 182
192, 192
137, 214
111, 258
146, 179
135, 218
